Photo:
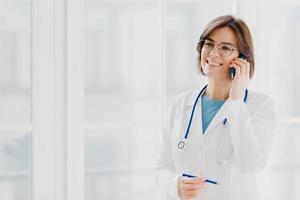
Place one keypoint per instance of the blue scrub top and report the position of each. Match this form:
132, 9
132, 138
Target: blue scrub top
210, 107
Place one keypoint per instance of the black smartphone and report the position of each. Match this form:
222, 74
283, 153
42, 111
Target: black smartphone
232, 69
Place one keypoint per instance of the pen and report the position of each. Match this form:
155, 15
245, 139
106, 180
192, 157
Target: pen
206, 180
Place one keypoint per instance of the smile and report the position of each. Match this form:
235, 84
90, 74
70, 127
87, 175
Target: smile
214, 64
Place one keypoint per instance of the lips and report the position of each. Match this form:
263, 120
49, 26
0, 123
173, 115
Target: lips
214, 63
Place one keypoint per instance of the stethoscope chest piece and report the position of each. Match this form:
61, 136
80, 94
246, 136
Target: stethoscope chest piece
181, 144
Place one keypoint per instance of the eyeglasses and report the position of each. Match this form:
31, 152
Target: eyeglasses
224, 49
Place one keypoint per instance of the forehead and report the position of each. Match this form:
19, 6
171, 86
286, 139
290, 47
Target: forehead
224, 34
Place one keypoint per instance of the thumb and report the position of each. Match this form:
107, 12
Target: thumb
201, 176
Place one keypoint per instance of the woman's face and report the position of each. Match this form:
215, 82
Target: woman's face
214, 64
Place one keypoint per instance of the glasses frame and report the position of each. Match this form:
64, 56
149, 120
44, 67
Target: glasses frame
201, 44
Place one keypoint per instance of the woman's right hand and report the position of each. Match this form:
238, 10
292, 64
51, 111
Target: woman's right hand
189, 188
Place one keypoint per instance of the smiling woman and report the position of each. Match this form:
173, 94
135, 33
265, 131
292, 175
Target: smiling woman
236, 37
230, 139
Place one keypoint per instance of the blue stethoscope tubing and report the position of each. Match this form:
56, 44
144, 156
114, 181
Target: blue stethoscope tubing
181, 144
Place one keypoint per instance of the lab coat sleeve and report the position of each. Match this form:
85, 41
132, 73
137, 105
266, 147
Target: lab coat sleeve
166, 176
251, 136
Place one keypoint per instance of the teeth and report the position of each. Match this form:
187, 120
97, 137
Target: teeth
216, 64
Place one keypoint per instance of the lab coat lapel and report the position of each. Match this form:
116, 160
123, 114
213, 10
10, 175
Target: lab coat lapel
197, 119
219, 117
195, 137
196, 126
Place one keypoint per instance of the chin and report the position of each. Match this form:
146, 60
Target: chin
216, 73
212, 73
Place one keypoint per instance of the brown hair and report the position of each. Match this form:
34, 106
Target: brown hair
244, 38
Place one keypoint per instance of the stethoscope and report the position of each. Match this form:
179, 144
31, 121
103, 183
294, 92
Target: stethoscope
181, 144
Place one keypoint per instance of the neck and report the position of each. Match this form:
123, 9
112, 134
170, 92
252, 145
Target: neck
218, 89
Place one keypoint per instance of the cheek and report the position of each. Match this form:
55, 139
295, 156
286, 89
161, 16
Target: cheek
227, 62
204, 56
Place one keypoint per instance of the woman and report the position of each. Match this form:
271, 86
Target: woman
216, 138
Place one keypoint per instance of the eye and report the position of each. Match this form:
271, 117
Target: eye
226, 48
209, 44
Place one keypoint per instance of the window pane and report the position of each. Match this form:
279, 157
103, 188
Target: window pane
286, 145
119, 163
284, 171
15, 166
287, 184
122, 81
15, 98
15, 53
278, 74
278, 51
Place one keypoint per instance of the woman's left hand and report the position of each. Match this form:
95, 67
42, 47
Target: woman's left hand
241, 79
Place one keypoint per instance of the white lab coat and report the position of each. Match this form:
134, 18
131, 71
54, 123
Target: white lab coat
231, 154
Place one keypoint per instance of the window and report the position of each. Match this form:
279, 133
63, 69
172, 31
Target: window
84, 86
15, 98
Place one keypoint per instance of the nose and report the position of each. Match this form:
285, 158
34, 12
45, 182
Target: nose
215, 51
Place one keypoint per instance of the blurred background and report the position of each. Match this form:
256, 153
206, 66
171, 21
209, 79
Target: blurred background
138, 54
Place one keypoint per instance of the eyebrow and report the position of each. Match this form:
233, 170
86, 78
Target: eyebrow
221, 42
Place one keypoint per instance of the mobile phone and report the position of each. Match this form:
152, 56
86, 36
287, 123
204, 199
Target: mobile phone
232, 69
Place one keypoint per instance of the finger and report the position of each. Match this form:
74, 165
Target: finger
201, 175
193, 187
193, 181
248, 69
191, 193
244, 64
202, 178
242, 67
240, 60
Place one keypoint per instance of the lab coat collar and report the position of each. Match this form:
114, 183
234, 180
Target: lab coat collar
191, 99
218, 118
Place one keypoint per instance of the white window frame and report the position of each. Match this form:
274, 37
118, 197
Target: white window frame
58, 125
75, 99
42, 101
57, 100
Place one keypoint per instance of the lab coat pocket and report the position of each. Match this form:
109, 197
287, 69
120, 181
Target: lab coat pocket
224, 149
